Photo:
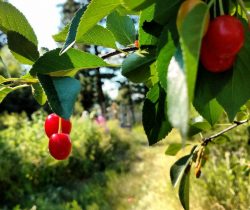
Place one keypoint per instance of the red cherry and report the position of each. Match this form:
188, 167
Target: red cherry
60, 146
136, 43
51, 125
225, 36
213, 63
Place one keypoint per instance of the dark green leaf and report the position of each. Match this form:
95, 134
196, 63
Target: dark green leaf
154, 119
12, 19
67, 64
137, 67
61, 101
198, 127
136, 5
177, 98
122, 27
204, 99
96, 10
164, 13
97, 35
23, 49
212, 111
71, 37
173, 149
184, 189
39, 93
144, 37
178, 168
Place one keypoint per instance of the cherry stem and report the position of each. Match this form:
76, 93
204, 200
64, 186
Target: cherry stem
215, 13
221, 8
60, 125
212, 2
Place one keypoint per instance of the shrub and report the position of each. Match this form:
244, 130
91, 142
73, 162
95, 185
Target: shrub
30, 176
226, 175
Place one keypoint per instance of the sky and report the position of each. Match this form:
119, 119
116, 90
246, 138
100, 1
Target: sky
44, 17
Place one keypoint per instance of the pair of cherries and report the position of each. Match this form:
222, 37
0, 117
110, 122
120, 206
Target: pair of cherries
58, 130
222, 42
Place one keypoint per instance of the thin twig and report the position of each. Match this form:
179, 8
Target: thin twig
117, 52
206, 140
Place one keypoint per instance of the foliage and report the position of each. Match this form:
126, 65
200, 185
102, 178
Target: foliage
224, 183
29, 176
167, 62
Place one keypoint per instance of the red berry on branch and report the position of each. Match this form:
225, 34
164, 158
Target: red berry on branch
51, 125
225, 36
60, 146
213, 63
136, 43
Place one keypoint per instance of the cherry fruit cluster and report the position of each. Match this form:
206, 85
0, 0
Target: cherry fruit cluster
222, 42
223, 37
58, 130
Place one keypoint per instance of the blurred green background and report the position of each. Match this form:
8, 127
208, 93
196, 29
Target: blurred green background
112, 169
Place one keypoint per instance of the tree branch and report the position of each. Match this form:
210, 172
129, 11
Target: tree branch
117, 52
206, 140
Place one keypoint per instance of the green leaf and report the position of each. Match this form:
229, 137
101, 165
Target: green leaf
97, 35
204, 99
123, 11
2, 79
23, 49
96, 10
136, 5
71, 36
198, 127
39, 93
178, 168
11, 19
144, 37
153, 94
137, 67
173, 149
4, 91
184, 189
122, 27
164, 13
154, 119
177, 97
153, 79
67, 64
211, 111
166, 49
61, 101
190, 39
